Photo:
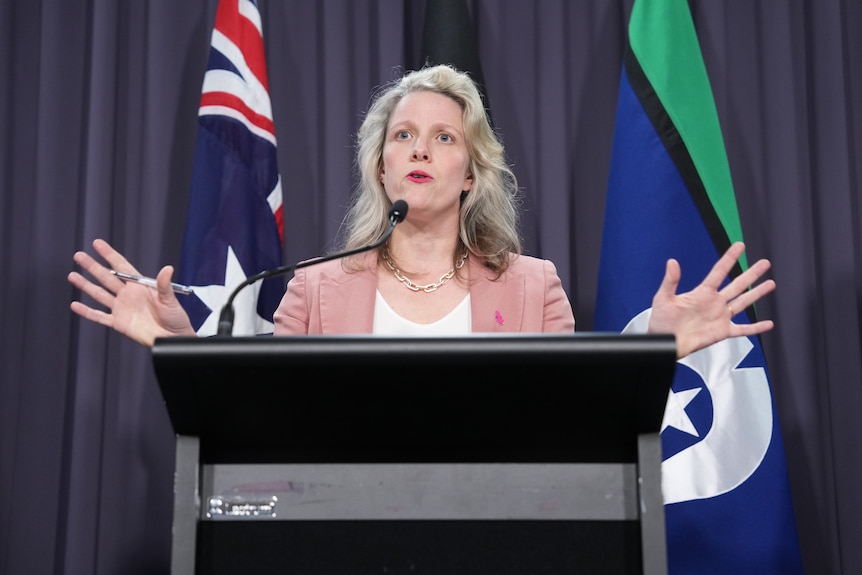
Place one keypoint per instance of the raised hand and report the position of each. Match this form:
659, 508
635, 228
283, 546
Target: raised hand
704, 315
136, 311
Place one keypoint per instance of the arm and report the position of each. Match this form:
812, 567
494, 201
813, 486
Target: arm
703, 316
558, 315
136, 311
291, 317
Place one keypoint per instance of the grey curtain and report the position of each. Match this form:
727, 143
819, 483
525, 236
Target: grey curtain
98, 114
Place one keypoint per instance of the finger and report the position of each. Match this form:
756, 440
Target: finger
751, 296
749, 329
724, 265
746, 279
115, 259
670, 281
91, 314
99, 272
98, 293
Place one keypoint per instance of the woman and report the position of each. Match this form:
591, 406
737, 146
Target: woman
454, 266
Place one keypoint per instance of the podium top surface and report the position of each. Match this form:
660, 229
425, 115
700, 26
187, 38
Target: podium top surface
519, 398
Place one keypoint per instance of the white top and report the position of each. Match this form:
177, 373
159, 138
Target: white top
388, 322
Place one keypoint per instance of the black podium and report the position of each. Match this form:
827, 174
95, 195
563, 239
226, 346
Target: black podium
350, 455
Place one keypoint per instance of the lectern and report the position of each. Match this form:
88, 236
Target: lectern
496, 454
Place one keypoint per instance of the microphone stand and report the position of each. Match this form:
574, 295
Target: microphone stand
397, 213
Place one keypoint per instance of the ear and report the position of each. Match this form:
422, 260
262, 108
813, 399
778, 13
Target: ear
468, 183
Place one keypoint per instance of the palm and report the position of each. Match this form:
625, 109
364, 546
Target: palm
702, 316
139, 312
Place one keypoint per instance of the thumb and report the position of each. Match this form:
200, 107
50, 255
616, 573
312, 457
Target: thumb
163, 285
670, 282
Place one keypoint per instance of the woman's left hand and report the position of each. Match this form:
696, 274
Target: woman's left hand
702, 317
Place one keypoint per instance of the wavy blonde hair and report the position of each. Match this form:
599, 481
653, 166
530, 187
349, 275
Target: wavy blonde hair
489, 211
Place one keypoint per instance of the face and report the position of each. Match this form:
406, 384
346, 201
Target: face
425, 157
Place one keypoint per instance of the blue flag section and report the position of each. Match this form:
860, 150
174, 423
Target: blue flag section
724, 478
234, 222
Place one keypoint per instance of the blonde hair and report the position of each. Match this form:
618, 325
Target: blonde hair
489, 211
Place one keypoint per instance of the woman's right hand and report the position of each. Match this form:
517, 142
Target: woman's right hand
134, 310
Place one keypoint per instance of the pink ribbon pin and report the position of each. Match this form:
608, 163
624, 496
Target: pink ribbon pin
499, 317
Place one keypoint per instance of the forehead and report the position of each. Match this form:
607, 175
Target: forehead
427, 107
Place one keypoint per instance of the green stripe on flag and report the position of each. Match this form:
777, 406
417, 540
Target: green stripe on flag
675, 69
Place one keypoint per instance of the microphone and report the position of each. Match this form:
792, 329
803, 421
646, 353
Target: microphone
397, 213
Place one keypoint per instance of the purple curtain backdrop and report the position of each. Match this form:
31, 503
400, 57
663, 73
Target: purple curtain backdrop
98, 109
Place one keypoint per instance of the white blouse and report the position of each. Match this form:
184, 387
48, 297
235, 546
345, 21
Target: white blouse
388, 322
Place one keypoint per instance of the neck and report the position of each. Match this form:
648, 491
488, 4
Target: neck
422, 252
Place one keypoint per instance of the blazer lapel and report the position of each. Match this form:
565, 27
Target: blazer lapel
347, 299
497, 305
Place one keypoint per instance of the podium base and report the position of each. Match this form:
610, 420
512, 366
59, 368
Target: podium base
419, 547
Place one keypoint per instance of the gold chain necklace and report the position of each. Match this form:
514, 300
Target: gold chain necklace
412, 286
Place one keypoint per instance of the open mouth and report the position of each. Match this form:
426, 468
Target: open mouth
418, 176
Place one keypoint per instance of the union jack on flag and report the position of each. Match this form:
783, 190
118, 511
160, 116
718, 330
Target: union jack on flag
234, 226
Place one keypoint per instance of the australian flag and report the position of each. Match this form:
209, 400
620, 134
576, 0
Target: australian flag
234, 224
724, 479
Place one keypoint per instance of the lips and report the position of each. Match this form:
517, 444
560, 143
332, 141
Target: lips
419, 176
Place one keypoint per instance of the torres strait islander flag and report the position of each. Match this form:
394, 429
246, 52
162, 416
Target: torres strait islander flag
234, 223
724, 478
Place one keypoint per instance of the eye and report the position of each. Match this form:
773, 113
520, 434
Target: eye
402, 135
445, 138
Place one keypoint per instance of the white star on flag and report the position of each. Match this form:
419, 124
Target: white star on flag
674, 413
246, 319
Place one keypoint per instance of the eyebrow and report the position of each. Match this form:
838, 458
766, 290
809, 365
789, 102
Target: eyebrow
437, 126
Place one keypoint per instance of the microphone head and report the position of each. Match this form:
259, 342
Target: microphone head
398, 212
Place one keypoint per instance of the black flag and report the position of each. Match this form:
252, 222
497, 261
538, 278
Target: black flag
450, 38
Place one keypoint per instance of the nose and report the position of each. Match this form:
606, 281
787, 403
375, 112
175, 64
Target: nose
420, 150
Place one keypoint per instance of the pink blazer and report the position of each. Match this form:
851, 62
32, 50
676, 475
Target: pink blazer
325, 299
